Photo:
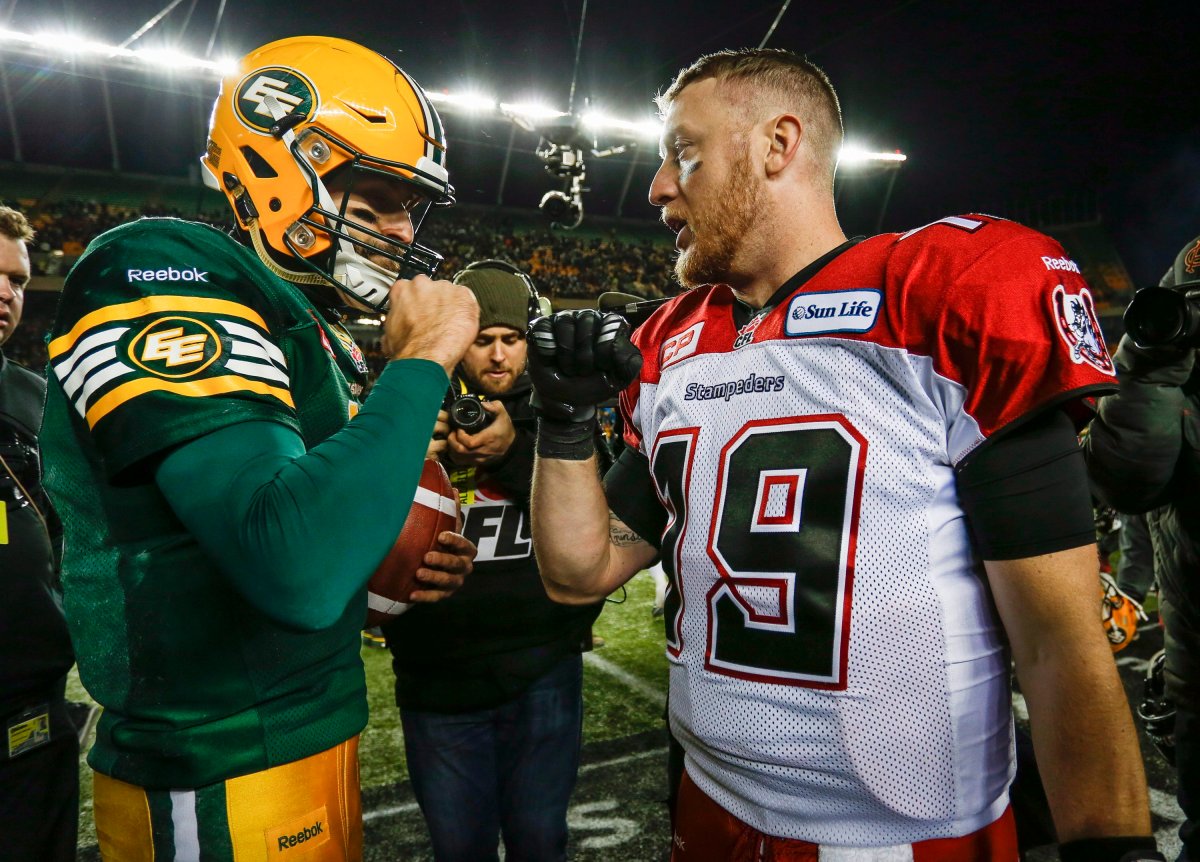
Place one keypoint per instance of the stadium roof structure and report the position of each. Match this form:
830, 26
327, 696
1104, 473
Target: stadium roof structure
125, 108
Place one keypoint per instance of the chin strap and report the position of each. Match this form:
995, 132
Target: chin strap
264, 255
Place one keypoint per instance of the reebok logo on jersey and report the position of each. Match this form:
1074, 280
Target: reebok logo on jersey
304, 833
1075, 315
308, 833
681, 345
168, 274
753, 383
1060, 263
834, 311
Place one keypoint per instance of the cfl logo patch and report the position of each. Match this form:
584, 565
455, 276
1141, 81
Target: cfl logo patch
175, 347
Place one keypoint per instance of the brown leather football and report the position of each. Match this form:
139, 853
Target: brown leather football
435, 509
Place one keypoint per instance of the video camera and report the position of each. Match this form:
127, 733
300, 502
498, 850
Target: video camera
1165, 316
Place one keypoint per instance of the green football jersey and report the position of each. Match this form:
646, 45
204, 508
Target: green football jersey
168, 330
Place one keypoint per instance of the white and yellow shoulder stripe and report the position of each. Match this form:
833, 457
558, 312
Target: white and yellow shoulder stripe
184, 345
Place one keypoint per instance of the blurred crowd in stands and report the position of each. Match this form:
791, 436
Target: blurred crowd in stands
575, 266
570, 265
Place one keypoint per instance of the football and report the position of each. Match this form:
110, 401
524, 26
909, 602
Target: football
435, 509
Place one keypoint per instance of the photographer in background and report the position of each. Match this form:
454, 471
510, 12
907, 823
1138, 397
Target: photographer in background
489, 684
39, 758
1143, 454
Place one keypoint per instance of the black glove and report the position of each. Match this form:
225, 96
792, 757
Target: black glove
1113, 849
577, 359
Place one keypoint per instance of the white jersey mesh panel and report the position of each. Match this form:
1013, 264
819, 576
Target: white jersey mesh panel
909, 739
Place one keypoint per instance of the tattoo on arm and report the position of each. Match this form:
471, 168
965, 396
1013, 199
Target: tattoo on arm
620, 535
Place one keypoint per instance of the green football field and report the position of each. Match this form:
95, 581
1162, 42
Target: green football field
622, 779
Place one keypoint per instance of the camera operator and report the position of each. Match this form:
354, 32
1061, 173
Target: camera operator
1143, 455
489, 684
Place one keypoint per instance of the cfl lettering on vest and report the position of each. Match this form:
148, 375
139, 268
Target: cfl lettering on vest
499, 531
836, 311
308, 833
168, 274
1060, 263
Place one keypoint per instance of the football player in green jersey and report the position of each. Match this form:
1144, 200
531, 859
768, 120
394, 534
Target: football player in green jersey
222, 511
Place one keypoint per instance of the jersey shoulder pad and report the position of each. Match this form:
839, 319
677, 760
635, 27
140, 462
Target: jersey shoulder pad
157, 318
673, 332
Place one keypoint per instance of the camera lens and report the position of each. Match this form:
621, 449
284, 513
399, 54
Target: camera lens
468, 414
1162, 316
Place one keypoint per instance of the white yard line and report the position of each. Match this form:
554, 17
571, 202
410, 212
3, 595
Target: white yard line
637, 684
409, 807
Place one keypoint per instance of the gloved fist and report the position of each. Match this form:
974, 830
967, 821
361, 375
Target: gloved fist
578, 359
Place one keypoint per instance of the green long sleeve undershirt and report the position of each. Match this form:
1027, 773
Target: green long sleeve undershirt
300, 532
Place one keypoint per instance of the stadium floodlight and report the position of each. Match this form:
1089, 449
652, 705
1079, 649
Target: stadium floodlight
598, 121
856, 155
531, 112
167, 58
67, 43
470, 101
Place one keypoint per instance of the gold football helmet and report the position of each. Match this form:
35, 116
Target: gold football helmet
1119, 614
295, 112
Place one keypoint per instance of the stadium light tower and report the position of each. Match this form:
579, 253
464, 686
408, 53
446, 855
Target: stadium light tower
856, 158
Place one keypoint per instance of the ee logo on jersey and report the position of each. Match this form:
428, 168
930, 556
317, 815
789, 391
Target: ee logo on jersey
175, 347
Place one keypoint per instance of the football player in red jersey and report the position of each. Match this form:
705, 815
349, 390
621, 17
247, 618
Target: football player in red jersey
857, 462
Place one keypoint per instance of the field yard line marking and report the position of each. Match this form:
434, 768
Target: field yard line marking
639, 685
389, 811
587, 767
618, 761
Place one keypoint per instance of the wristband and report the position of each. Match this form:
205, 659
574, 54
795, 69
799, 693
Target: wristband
1117, 848
566, 441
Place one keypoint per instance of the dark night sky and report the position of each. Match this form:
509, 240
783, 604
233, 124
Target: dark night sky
996, 104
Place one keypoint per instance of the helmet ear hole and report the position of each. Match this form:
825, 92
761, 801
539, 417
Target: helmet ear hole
260, 166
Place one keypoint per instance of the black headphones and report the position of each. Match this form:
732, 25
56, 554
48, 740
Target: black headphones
538, 306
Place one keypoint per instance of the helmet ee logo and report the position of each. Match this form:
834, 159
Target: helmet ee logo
175, 347
293, 92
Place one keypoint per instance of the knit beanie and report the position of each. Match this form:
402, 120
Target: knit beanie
503, 297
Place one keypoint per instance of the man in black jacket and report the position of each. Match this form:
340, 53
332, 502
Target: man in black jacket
489, 684
39, 756
1143, 455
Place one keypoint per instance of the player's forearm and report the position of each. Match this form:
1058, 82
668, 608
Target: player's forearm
1083, 733
571, 531
299, 532
1085, 742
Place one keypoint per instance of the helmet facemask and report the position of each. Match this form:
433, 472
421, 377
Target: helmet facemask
347, 264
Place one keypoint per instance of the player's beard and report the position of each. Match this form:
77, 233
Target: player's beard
720, 230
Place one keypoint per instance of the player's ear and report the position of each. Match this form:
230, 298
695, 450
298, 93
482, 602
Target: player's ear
785, 133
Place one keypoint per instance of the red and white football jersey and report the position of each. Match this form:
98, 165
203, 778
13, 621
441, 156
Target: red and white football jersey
838, 674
